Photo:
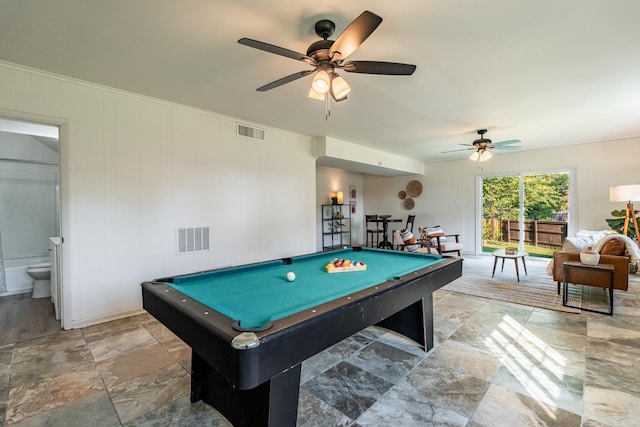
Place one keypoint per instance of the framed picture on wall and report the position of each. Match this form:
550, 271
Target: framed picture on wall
352, 204
352, 192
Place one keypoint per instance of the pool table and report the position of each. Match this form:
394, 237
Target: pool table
250, 328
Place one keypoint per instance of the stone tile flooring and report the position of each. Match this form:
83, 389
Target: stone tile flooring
494, 363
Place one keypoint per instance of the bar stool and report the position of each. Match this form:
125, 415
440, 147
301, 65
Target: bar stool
409, 224
373, 231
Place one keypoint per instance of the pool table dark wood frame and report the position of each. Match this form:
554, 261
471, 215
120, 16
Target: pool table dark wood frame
259, 386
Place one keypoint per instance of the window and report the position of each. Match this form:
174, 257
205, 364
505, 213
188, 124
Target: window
528, 211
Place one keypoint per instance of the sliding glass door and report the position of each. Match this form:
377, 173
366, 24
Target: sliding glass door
526, 211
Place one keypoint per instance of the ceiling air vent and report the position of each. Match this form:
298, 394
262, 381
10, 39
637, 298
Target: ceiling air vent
192, 239
250, 132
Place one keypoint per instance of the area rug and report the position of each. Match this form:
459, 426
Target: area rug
536, 288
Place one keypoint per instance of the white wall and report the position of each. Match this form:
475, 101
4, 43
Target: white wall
450, 196
134, 168
329, 180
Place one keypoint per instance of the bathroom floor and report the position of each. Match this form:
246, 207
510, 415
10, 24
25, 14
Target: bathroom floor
495, 363
23, 318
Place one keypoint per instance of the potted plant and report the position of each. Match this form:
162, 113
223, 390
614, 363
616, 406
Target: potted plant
617, 223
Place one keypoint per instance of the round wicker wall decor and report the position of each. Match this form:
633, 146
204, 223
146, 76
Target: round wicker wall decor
414, 188
408, 203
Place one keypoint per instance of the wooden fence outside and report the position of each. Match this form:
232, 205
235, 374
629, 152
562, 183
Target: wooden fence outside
544, 234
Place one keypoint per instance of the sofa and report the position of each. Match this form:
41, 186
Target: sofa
615, 249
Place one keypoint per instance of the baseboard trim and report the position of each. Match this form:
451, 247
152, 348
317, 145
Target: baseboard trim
82, 323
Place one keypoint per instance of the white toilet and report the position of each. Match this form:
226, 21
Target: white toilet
41, 274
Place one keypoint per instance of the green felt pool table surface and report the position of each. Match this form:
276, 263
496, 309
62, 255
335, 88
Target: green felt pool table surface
258, 293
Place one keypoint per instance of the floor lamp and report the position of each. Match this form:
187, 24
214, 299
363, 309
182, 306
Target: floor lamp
629, 194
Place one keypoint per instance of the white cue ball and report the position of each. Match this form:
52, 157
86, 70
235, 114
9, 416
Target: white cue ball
291, 276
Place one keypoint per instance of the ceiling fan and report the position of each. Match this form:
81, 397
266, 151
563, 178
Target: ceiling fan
482, 145
327, 56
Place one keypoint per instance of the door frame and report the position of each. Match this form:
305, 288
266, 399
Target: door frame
572, 215
64, 299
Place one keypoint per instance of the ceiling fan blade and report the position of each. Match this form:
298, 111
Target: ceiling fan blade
507, 147
460, 149
511, 141
377, 67
284, 80
277, 50
353, 36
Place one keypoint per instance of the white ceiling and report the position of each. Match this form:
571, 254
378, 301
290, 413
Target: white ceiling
546, 72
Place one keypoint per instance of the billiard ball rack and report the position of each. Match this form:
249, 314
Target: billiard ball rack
346, 269
344, 265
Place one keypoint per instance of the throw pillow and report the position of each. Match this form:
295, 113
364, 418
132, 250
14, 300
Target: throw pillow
614, 247
409, 240
434, 231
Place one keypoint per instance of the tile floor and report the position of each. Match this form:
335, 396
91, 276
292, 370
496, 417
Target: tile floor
494, 363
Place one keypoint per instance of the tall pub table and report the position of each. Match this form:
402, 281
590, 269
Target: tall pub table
385, 220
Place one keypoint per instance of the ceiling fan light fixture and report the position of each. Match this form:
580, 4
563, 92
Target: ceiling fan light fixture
321, 82
339, 88
485, 155
315, 95
481, 155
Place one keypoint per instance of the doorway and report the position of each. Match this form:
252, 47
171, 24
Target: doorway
528, 211
30, 208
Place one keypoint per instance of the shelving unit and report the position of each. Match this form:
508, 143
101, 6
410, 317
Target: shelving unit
336, 226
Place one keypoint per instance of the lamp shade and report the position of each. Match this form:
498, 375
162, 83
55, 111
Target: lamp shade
485, 155
339, 88
625, 193
315, 95
321, 82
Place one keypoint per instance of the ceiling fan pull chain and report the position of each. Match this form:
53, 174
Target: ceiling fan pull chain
327, 106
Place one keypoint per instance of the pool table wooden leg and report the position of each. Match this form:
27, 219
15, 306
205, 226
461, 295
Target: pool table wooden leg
414, 322
272, 403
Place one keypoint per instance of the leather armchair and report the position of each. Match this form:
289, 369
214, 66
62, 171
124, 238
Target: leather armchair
585, 277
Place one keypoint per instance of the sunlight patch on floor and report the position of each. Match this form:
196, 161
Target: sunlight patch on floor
538, 368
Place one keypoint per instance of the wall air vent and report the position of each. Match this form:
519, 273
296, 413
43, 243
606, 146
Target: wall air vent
192, 239
251, 132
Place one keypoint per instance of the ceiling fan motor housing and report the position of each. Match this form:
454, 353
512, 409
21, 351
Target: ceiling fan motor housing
320, 50
482, 141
